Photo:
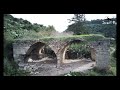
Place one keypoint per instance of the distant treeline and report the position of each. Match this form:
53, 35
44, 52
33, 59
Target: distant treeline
102, 21
17, 28
106, 27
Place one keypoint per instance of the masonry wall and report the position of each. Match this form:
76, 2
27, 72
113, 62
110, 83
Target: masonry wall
93, 54
100, 51
103, 55
19, 50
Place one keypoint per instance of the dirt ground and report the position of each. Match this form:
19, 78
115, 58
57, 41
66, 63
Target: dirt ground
48, 67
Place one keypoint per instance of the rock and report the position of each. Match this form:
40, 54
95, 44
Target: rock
30, 60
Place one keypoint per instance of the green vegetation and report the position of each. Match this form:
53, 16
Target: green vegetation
15, 28
77, 27
11, 69
19, 29
86, 37
76, 51
108, 30
94, 72
99, 26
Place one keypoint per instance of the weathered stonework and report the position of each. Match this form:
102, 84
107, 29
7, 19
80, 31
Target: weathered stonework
101, 54
99, 50
93, 54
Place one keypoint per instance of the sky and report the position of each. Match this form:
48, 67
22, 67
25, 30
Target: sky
59, 21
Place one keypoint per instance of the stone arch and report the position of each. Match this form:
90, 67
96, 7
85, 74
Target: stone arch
63, 51
36, 50
66, 47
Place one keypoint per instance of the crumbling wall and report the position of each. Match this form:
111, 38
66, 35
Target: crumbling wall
93, 54
100, 51
101, 54
19, 51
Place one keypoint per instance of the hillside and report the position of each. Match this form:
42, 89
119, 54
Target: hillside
99, 26
20, 29
17, 28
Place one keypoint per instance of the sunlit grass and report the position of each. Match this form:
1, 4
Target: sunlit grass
88, 37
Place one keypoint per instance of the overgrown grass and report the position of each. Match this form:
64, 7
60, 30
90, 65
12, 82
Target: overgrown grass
11, 69
94, 72
79, 50
87, 37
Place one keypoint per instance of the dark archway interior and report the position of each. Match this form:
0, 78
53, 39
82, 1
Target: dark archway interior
40, 52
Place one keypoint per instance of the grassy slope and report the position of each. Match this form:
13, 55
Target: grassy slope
88, 37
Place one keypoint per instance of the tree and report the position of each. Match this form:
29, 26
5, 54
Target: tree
78, 18
78, 26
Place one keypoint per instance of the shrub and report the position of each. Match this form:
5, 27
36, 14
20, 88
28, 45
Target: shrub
8, 68
11, 69
78, 51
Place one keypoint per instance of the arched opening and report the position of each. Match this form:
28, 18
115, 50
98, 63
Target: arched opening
77, 50
40, 52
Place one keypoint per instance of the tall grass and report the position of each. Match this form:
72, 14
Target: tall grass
11, 69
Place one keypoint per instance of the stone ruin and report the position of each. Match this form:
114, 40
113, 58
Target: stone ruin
23, 49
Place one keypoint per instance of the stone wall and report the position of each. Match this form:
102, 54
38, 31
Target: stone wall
99, 53
93, 54
19, 50
102, 55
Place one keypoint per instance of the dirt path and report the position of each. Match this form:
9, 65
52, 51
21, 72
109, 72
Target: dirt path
49, 69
